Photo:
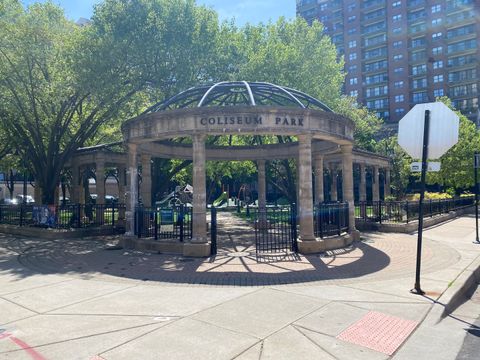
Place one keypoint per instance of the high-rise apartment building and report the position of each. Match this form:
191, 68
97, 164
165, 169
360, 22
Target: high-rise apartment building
402, 52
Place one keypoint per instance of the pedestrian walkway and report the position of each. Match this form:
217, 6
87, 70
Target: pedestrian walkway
75, 300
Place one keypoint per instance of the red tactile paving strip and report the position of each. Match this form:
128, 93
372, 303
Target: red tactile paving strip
379, 332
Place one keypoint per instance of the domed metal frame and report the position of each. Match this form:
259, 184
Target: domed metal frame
239, 93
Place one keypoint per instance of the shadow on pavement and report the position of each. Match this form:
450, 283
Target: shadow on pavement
89, 258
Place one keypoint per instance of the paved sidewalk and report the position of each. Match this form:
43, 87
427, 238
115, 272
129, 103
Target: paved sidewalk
76, 300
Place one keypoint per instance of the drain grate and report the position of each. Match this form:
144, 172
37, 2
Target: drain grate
379, 332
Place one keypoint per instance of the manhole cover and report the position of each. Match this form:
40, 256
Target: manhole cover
239, 254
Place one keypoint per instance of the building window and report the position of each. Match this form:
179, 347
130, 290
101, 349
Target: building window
438, 78
397, 30
351, 18
351, 7
419, 83
419, 69
438, 92
437, 50
396, 4
352, 44
352, 31
397, 44
420, 97
436, 8
352, 56
354, 93
374, 79
353, 81
323, 7
437, 36
377, 91
398, 57
396, 18
376, 52
436, 22
398, 84
398, 70
399, 98
377, 104
462, 46
399, 111
418, 42
438, 64
378, 65
352, 68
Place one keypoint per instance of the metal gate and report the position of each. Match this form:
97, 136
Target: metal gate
276, 230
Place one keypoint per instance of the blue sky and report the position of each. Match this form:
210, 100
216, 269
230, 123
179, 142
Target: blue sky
252, 11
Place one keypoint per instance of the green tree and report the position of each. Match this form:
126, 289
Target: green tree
61, 84
457, 164
400, 161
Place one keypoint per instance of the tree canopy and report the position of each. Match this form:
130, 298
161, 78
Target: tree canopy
63, 86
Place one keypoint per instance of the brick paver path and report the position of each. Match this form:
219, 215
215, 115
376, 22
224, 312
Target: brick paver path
378, 256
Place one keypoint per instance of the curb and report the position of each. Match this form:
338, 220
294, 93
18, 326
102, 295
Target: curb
455, 294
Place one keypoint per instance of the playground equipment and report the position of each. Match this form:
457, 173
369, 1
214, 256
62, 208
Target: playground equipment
180, 196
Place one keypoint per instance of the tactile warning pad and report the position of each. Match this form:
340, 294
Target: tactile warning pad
379, 332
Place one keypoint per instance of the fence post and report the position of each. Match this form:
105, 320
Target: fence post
339, 223
431, 210
21, 215
320, 220
213, 229
293, 221
155, 223
407, 210
139, 222
380, 211
180, 222
113, 215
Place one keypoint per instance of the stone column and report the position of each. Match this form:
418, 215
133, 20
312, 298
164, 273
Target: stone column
199, 221
146, 187
132, 192
121, 194
388, 188
375, 184
333, 182
100, 181
76, 185
262, 186
347, 177
100, 189
319, 198
362, 186
305, 187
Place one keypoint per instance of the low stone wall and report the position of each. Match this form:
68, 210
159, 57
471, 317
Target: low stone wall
411, 226
53, 234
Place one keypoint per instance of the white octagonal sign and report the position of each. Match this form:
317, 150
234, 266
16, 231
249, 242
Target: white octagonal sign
443, 134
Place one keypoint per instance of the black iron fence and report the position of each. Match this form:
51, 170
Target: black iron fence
164, 223
72, 216
275, 229
213, 230
330, 219
407, 211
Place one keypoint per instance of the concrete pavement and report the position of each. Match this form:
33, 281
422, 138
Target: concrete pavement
75, 300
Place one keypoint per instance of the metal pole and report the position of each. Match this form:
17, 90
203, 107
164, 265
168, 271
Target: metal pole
476, 164
418, 290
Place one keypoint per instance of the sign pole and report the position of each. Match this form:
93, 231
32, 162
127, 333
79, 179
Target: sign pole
476, 165
426, 129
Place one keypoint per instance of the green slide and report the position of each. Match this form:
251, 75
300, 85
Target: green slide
221, 201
